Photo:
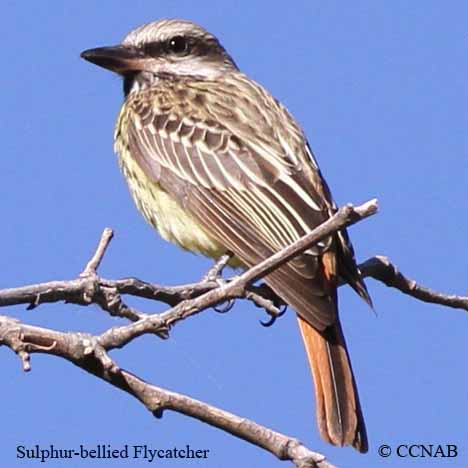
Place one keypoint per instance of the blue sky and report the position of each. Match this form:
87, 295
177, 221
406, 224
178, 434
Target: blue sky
380, 90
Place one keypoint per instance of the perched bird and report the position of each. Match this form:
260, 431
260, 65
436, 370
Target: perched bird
216, 164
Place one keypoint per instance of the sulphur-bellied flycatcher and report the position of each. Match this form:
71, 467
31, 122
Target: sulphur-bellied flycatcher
216, 165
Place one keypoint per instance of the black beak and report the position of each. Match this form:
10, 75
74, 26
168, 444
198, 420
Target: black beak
119, 59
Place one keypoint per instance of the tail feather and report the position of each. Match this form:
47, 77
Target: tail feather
339, 415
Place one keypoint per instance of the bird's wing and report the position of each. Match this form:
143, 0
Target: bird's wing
243, 170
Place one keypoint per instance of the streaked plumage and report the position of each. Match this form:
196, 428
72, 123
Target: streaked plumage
216, 164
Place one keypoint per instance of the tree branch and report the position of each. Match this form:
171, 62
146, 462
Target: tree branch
383, 270
96, 259
90, 288
91, 352
86, 352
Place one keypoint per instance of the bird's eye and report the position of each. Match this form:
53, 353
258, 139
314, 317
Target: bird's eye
178, 45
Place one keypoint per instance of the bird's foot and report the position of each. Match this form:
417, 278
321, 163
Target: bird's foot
214, 275
224, 307
274, 313
263, 296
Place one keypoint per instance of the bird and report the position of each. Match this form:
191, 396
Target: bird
218, 165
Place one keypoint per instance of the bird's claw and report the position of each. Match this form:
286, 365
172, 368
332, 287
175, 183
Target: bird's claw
274, 316
224, 307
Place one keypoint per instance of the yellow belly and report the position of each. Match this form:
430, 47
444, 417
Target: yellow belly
163, 213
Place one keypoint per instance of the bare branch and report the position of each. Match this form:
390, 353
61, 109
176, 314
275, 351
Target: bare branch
108, 293
381, 269
345, 216
93, 264
237, 287
85, 352
91, 352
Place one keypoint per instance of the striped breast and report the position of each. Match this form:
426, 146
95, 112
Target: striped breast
161, 210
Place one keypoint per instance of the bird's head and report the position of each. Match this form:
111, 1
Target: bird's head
165, 48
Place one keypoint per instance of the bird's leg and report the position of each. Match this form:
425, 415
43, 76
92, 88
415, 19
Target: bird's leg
215, 274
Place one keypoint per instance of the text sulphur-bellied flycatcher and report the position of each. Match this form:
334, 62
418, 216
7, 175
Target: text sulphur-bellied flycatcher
216, 165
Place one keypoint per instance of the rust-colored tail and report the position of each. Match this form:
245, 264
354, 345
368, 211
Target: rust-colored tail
339, 415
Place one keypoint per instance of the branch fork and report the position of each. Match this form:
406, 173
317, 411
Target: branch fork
91, 352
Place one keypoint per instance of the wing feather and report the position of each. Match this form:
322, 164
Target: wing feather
255, 191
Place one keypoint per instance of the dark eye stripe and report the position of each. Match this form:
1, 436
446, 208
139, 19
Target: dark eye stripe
177, 45
182, 46
154, 48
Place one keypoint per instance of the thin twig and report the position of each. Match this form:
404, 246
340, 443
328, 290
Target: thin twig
93, 264
216, 270
381, 269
